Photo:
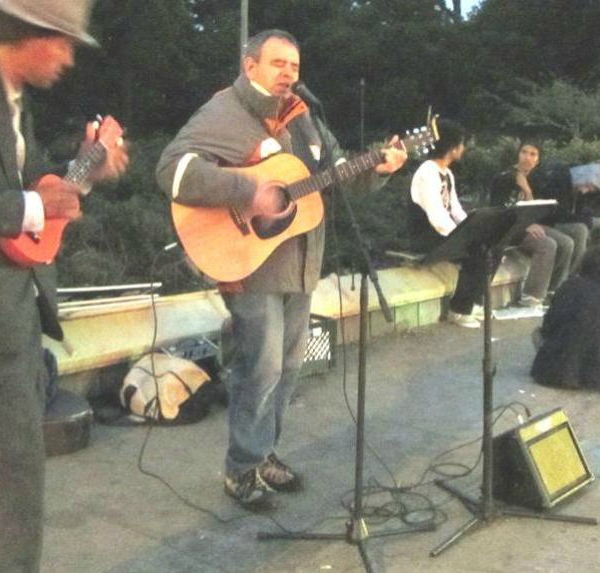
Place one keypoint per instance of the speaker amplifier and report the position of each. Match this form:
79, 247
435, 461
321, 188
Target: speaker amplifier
539, 463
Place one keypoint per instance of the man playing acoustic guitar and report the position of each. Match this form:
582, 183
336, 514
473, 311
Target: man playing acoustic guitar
37, 41
269, 301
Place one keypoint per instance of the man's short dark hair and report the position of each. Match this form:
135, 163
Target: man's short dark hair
452, 134
256, 42
531, 143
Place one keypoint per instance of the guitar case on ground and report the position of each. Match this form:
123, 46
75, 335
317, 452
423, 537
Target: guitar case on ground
67, 423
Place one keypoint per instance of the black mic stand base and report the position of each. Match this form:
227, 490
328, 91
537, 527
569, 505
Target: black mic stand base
485, 510
357, 532
474, 506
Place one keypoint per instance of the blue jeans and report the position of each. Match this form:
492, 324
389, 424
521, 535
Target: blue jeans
270, 332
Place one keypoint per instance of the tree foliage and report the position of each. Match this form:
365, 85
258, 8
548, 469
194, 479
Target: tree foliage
511, 68
559, 110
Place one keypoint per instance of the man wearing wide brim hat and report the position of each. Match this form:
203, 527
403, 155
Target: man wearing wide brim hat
68, 17
37, 43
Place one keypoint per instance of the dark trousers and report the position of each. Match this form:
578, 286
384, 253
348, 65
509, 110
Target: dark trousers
471, 275
21, 460
470, 285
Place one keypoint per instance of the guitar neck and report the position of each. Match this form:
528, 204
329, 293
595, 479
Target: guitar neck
81, 167
342, 172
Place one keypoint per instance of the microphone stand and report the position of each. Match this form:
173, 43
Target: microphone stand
357, 532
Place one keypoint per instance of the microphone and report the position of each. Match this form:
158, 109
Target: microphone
300, 89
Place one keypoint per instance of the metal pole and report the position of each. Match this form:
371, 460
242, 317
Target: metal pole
489, 371
362, 113
243, 29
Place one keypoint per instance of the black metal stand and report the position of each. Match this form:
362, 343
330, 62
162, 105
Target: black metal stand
357, 532
484, 510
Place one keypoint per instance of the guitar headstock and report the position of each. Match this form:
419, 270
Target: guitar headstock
422, 139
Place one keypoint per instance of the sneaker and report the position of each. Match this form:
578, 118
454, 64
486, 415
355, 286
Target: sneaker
478, 312
528, 301
465, 320
279, 476
249, 490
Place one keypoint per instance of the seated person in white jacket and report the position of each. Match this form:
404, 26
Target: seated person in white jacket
435, 212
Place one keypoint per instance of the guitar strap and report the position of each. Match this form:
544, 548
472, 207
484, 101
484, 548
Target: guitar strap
50, 324
304, 136
296, 119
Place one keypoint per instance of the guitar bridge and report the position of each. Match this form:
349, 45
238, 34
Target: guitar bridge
239, 221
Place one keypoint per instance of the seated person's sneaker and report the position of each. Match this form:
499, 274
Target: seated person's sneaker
478, 312
249, 490
528, 301
465, 320
279, 476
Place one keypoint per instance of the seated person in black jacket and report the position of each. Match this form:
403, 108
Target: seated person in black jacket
554, 182
569, 355
556, 246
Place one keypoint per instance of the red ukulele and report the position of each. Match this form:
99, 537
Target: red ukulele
30, 249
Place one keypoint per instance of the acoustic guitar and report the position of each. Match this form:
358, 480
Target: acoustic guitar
228, 244
29, 249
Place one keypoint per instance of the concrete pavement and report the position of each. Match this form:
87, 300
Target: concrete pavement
423, 397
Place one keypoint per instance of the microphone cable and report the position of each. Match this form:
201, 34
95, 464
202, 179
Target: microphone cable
406, 504
152, 423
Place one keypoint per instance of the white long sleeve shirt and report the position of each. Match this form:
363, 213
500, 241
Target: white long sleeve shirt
434, 190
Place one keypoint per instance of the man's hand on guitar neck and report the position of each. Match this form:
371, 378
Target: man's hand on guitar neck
110, 134
394, 157
59, 197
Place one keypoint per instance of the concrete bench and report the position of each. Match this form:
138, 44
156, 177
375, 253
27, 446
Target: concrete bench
97, 340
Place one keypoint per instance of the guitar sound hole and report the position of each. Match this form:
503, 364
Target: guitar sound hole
267, 227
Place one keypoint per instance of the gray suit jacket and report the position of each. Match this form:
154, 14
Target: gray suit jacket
21, 311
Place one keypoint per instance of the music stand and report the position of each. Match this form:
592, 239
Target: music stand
489, 230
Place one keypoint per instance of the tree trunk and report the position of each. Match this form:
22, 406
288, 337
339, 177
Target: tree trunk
455, 13
457, 9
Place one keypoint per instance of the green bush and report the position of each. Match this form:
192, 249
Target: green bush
125, 227
127, 224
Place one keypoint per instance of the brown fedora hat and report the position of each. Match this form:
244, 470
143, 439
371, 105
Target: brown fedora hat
69, 17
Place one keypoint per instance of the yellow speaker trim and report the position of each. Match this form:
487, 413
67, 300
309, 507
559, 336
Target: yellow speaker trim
530, 431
